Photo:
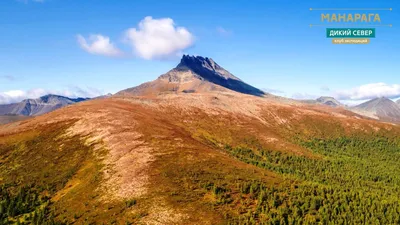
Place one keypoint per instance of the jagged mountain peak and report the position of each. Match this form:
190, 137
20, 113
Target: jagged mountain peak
203, 66
188, 60
194, 74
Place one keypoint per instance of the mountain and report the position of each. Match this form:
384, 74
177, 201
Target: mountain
384, 108
35, 107
398, 102
194, 74
323, 100
330, 101
163, 156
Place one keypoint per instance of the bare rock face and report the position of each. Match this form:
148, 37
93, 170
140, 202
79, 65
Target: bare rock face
383, 108
330, 101
205, 67
194, 74
35, 107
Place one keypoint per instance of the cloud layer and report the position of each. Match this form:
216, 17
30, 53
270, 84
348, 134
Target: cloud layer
98, 45
304, 96
369, 91
72, 92
152, 39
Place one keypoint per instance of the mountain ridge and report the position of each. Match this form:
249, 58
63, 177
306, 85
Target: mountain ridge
323, 100
39, 106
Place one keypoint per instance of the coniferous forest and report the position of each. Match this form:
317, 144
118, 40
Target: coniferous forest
356, 181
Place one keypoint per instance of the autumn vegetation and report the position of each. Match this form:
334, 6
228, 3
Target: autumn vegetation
225, 169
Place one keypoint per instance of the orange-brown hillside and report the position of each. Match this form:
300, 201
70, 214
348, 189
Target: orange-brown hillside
199, 146
162, 153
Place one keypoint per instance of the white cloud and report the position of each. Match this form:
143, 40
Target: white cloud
99, 45
352, 102
223, 32
158, 38
304, 96
369, 91
13, 96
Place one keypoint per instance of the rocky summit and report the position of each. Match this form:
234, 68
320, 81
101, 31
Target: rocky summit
194, 74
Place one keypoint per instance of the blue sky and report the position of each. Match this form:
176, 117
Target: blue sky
95, 47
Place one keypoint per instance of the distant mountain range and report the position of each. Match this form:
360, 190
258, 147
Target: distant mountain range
194, 74
323, 100
35, 107
379, 108
383, 108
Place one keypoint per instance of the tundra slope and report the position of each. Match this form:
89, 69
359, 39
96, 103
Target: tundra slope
174, 157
